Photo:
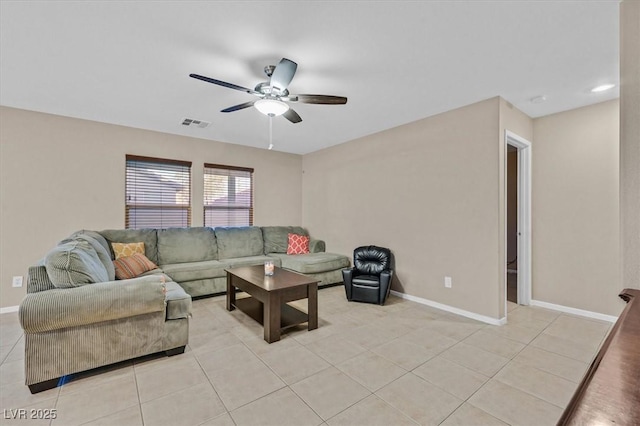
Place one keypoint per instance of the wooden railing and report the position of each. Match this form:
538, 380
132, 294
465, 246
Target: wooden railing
609, 393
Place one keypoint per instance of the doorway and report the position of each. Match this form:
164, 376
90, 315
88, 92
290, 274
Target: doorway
512, 224
518, 219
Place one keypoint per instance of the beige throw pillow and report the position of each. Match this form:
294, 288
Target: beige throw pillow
127, 249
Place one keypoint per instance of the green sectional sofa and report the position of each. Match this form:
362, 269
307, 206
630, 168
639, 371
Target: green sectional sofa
196, 257
77, 316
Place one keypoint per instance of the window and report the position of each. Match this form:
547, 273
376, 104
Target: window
157, 193
228, 196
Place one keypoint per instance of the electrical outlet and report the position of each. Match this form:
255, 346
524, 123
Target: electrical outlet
447, 282
17, 281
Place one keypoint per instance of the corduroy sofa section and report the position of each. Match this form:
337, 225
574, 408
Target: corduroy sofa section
69, 330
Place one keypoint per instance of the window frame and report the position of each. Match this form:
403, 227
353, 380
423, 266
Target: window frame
231, 185
158, 161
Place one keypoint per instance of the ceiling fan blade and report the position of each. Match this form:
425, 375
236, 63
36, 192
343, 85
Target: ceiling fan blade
283, 74
292, 116
319, 99
223, 83
239, 107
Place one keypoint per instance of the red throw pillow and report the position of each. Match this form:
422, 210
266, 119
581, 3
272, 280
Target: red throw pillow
132, 266
298, 244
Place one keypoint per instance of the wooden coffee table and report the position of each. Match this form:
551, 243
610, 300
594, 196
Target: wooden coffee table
269, 297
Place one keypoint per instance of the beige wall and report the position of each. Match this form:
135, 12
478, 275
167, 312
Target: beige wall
429, 190
630, 141
575, 214
432, 190
61, 174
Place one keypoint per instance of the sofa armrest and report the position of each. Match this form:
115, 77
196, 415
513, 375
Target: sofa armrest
38, 280
386, 277
92, 303
347, 276
316, 246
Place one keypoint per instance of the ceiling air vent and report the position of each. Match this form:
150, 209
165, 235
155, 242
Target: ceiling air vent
195, 123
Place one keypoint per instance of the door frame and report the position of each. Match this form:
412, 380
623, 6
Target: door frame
524, 216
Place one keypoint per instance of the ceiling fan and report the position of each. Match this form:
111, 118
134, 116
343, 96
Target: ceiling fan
273, 94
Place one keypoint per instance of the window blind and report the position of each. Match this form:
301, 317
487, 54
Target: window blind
228, 196
157, 193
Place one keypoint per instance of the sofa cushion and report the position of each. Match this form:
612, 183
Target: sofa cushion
250, 261
128, 267
147, 236
181, 272
178, 301
182, 245
298, 244
127, 249
239, 241
101, 250
276, 237
95, 235
156, 271
74, 263
313, 263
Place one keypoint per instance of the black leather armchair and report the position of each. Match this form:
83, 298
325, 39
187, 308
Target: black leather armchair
370, 278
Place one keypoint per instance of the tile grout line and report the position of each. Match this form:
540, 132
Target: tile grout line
216, 391
493, 377
135, 377
428, 382
511, 360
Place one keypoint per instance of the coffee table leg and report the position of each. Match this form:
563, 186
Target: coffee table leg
312, 306
231, 293
272, 313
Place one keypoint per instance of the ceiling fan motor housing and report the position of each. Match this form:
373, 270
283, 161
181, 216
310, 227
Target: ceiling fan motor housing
269, 91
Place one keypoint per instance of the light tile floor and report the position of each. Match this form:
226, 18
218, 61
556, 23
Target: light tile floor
402, 363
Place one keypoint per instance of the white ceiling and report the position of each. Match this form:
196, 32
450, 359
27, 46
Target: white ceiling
128, 62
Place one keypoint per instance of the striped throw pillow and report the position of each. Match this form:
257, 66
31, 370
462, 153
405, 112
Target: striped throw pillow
132, 266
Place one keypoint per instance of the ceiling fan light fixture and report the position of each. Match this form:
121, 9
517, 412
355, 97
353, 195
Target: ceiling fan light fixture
271, 107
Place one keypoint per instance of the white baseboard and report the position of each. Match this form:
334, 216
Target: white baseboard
457, 311
8, 309
574, 311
